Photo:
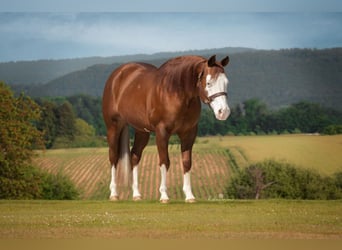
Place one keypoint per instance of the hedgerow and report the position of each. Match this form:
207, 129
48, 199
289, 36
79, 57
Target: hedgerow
272, 179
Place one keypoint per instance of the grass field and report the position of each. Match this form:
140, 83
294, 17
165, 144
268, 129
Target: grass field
215, 159
272, 219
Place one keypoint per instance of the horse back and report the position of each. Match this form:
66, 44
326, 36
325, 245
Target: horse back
127, 89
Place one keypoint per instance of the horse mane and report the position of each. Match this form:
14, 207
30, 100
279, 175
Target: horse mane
177, 71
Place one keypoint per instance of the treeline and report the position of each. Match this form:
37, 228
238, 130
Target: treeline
253, 117
77, 121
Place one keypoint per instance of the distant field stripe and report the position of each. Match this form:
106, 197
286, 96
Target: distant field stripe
240, 159
196, 176
180, 177
206, 182
96, 174
242, 153
232, 161
214, 174
148, 168
49, 164
141, 174
155, 177
206, 185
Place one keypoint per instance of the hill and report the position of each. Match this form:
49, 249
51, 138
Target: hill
277, 77
43, 71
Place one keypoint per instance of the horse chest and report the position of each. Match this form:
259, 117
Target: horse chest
176, 116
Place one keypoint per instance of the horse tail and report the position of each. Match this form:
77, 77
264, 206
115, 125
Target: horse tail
125, 165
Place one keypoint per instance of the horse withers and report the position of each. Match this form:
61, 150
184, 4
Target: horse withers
164, 100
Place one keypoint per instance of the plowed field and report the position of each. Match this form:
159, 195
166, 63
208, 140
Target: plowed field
89, 169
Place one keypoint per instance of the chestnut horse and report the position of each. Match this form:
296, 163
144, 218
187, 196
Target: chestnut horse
165, 100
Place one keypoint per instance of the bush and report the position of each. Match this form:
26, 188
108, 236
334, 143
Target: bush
58, 187
333, 130
33, 183
271, 179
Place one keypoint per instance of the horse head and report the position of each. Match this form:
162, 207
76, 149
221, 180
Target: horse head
213, 86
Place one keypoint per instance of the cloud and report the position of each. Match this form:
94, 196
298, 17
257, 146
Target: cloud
65, 35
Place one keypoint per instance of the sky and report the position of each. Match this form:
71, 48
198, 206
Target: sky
32, 30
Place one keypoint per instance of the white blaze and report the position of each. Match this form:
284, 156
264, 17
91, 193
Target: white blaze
220, 104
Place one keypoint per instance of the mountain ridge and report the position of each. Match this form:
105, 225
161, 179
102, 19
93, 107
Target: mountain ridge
277, 77
45, 70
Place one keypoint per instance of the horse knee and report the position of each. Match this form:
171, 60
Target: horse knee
186, 165
166, 163
135, 159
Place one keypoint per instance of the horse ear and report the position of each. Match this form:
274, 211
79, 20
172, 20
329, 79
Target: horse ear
225, 61
211, 61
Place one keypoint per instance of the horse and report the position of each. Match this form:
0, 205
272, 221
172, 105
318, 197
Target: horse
166, 101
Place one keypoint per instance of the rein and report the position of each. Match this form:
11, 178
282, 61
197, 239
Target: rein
209, 99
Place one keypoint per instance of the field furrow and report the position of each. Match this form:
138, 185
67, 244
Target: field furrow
89, 170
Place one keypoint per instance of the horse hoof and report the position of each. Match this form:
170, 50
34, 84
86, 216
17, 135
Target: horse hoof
190, 201
164, 201
137, 198
114, 198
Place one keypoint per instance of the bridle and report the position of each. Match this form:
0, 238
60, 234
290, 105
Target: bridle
208, 99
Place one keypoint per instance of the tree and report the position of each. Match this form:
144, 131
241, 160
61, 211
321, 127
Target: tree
66, 121
255, 114
18, 136
48, 122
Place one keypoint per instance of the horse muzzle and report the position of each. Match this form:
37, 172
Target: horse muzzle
222, 114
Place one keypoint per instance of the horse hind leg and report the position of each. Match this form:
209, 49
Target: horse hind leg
140, 142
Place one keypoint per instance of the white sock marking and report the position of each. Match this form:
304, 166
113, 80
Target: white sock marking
187, 187
163, 188
135, 185
112, 186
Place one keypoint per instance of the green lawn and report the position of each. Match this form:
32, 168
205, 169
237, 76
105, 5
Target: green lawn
267, 219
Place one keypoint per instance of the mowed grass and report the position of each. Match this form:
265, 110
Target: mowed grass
268, 219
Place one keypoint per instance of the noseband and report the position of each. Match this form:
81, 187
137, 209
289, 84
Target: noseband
209, 99
212, 97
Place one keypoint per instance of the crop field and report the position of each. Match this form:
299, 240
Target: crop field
214, 160
90, 171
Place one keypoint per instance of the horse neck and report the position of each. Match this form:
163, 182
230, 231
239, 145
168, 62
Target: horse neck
182, 77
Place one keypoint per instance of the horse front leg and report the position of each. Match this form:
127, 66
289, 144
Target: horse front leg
187, 141
162, 140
